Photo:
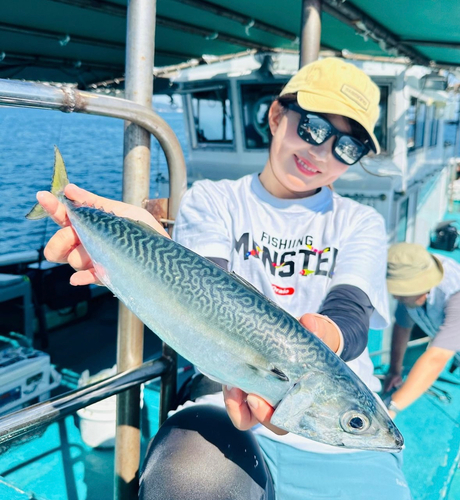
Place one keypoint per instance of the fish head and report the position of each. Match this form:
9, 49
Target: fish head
337, 411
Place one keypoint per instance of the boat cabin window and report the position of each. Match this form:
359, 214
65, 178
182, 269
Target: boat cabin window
256, 100
451, 128
434, 127
401, 229
416, 117
381, 127
212, 117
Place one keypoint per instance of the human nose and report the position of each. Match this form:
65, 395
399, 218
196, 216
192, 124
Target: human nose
322, 151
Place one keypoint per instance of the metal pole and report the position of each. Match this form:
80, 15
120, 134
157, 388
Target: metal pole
310, 39
140, 49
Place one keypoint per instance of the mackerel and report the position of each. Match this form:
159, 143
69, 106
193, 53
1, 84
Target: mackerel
228, 329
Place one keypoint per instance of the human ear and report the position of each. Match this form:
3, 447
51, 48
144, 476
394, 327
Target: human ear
275, 113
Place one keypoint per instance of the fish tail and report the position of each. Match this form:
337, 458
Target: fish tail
58, 183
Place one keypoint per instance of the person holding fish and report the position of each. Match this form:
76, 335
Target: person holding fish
320, 257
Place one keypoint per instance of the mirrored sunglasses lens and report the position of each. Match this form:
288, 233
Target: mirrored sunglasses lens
320, 130
314, 129
349, 149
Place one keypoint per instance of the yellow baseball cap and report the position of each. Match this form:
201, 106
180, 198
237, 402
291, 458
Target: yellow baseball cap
334, 86
412, 270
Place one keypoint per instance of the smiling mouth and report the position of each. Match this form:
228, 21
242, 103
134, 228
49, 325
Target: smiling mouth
305, 167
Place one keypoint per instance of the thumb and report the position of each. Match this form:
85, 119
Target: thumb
310, 322
325, 329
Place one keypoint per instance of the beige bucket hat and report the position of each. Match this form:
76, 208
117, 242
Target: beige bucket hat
412, 270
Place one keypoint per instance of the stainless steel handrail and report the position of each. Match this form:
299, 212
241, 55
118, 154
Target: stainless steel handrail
32, 419
410, 345
69, 99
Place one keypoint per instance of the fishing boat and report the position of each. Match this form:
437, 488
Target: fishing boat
96, 52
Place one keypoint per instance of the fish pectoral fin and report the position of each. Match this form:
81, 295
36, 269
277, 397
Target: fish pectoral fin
279, 374
270, 372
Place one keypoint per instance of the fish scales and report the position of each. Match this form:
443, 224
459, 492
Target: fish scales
201, 285
229, 330
258, 332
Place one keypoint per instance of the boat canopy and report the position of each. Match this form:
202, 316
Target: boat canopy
83, 41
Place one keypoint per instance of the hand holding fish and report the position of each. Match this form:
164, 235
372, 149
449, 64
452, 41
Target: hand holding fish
247, 410
258, 346
65, 247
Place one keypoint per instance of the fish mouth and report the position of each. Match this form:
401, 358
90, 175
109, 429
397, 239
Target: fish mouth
388, 449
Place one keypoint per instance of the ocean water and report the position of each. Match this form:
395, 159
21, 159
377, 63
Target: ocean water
92, 147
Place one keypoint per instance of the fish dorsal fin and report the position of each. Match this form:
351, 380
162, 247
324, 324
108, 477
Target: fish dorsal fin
252, 287
245, 283
145, 226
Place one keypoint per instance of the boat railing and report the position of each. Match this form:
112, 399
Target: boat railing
410, 345
68, 99
25, 424
139, 117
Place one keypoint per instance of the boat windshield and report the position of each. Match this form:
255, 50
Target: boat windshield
212, 117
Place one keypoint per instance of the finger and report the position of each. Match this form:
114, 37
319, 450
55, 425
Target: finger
263, 412
80, 195
79, 259
75, 193
309, 321
87, 277
55, 209
61, 244
119, 208
323, 328
238, 409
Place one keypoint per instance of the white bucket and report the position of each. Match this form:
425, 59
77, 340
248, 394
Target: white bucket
98, 421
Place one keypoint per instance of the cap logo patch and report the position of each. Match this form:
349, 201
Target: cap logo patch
355, 96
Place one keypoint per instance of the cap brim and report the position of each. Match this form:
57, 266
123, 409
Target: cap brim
322, 104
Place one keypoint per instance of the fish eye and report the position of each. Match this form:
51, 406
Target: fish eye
354, 422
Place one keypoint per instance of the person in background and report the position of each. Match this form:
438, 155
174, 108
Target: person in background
427, 288
318, 255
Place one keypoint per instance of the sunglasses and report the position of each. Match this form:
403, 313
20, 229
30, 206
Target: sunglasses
316, 130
